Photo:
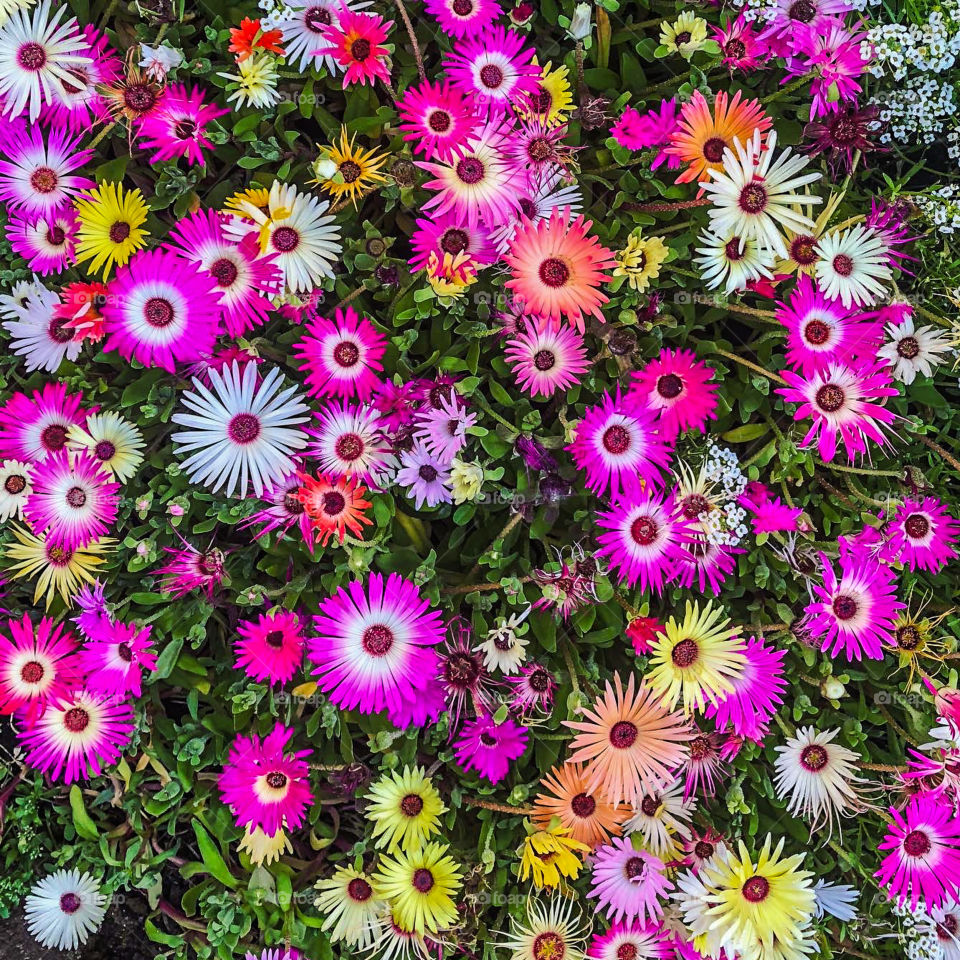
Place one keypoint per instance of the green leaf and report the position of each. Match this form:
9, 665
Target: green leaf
746, 433
82, 822
212, 859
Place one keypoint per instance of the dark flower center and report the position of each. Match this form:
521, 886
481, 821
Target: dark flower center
461, 670
104, 450
377, 640
54, 437
616, 439
845, 607
539, 680
753, 198
548, 945
244, 428
76, 719
333, 503
224, 272
350, 171
527, 207
813, 757
439, 121
908, 348
488, 739
314, 20
908, 637
554, 272
274, 639
802, 10
694, 505
539, 149
44, 180
292, 504
348, 447
623, 734
119, 231
583, 806
139, 98
634, 868
55, 236
916, 843
713, 149
649, 805
411, 805
644, 531
491, 76
844, 130
627, 951
32, 56
802, 250
917, 526
756, 889
704, 849
125, 652
59, 556
683, 37
360, 49
454, 241
15, 483
470, 170
735, 49
76, 497
31, 672
70, 903
285, 239
733, 251
685, 653
669, 386
830, 398
158, 312
185, 129
359, 890
544, 360
428, 473
346, 354
948, 927
843, 264
276, 780
463, 8
816, 332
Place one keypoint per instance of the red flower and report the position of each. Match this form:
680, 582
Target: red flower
248, 36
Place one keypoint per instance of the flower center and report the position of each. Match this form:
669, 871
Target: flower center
292, 504
360, 49
623, 734
544, 360
683, 37
554, 272
685, 653
350, 171
539, 681
59, 556
314, 19
644, 531
244, 428
816, 332
224, 272
70, 903
845, 607
916, 843
139, 98
285, 239
813, 758
158, 312
917, 526
333, 503
104, 450
124, 652
274, 639
491, 76
704, 849
488, 739
548, 945
454, 241
54, 437
56, 237
119, 231
948, 927
346, 354
463, 8
439, 121
377, 640
843, 264
616, 439
348, 447
583, 806
76, 497
539, 149
756, 889
802, 250
411, 805
830, 398
15, 483
44, 180
31, 672
428, 473
803, 10
649, 806
732, 250
908, 348
276, 780
185, 129
908, 637
753, 198
669, 386
634, 868
844, 130
422, 880
527, 207
735, 49
359, 890
694, 505
470, 170
713, 149
461, 670
76, 719
627, 951
32, 56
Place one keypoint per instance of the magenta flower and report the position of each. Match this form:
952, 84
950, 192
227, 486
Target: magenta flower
855, 612
488, 747
836, 58
457, 18
639, 131
372, 644
628, 883
270, 648
114, 660
924, 858
678, 389
284, 512
177, 125
741, 45
47, 244
264, 786
450, 233
546, 357
705, 564
437, 118
647, 940
32, 427
190, 569
922, 534
770, 514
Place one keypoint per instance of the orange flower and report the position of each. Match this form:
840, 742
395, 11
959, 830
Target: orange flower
587, 814
244, 39
333, 506
557, 268
700, 138
631, 742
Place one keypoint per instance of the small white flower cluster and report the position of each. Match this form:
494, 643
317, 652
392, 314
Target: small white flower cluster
723, 468
917, 110
900, 49
942, 208
727, 525
918, 933
276, 13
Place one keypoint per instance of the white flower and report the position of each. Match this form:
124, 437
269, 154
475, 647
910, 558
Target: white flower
580, 24
40, 337
732, 261
754, 192
505, 647
837, 899
159, 61
852, 265
63, 909
242, 433
302, 23
911, 350
256, 83
15, 487
660, 818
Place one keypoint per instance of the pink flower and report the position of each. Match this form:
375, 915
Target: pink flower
678, 389
176, 127
271, 647
922, 534
489, 747
641, 630
757, 692
114, 659
770, 513
629, 883
637, 131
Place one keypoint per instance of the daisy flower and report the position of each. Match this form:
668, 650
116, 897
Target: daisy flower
73, 500
479, 183
836, 56
116, 444
355, 41
33, 427
372, 644
37, 666
817, 776
46, 243
549, 857
425, 477
302, 23
921, 534
701, 137
461, 675
640, 260
642, 941
177, 128
243, 432
270, 648
405, 809
347, 171
754, 194
856, 612
244, 280
255, 82
341, 356
740, 44
251, 35
677, 388
351, 911
449, 234
644, 537
546, 358
334, 506
39, 57
495, 67
262, 848
419, 885
15, 488
191, 569
78, 736
630, 741
113, 662
37, 173
551, 929
283, 512
536, 202
110, 232
842, 401
556, 268
463, 18
686, 35
841, 135
617, 444
696, 658
533, 689
586, 813
442, 426
263, 785
37, 333
911, 350
489, 747
662, 819
349, 441
63, 909
757, 691
853, 265
628, 883
923, 858
732, 261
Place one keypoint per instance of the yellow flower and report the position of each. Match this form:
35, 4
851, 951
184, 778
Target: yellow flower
113, 441
405, 809
466, 480
61, 571
698, 657
419, 888
256, 82
262, 848
254, 198
639, 261
685, 36
550, 855
110, 222
553, 102
451, 277
345, 170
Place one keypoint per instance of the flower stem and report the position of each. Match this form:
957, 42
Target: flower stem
665, 206
751, 365
498, 807
789, 88
413, 39
860, 470
927, 442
